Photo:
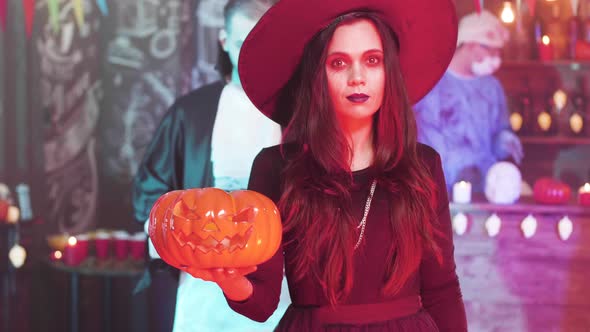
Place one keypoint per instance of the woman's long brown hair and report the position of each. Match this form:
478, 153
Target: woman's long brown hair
316, 200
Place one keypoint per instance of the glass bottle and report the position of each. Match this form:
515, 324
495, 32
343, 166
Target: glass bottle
546, 119
556, 30
585, 21
573, 36
577, 117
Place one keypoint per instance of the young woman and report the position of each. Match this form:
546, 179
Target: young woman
367, 233
209, 137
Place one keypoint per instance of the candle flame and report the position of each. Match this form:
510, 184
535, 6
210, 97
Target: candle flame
559, 99
72, 241
545, 40
587, 187
57, 254
507, 15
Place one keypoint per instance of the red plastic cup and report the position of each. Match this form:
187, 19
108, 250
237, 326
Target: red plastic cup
137, 246
102, 242
76, 250
584, 195
121, 244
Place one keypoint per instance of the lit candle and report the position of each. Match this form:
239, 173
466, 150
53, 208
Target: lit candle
8, 213
545, 49
56, 255
584, 195
70, 252
462, 192
507, 14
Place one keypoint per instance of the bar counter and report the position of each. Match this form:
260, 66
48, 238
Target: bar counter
512, 282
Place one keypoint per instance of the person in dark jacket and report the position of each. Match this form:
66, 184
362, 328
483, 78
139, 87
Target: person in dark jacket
208, 138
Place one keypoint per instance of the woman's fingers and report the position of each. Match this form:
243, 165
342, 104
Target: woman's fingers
220, 274
200, 273
247, 270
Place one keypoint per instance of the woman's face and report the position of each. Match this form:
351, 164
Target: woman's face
355, 71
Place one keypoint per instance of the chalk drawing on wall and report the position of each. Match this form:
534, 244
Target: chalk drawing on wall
145, 58
71, 92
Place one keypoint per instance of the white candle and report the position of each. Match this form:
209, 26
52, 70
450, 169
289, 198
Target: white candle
462, 192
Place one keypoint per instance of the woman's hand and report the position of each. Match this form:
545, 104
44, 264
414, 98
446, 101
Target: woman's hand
232, 281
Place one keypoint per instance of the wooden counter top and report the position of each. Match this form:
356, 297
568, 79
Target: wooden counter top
524, 205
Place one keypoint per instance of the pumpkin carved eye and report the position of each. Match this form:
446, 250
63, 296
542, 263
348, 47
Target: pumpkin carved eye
211, 228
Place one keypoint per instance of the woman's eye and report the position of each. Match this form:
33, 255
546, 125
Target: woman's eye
338, 63
373, 60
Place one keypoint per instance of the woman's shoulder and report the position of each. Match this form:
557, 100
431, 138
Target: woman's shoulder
427, 154
278, 153
272, 159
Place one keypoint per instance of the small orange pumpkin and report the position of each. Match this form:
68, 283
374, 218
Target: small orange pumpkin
210, 228
551, 191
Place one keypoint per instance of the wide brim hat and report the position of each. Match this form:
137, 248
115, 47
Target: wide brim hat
426, 31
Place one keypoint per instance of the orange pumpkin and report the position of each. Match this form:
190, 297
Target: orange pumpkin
551, 191
210, 228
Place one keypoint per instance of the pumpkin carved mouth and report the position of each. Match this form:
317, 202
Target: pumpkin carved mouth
210, 243
212, 232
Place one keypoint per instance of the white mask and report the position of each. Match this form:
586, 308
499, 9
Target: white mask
487, 66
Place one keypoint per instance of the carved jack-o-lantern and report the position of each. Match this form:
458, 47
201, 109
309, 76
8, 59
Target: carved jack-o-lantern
209, 228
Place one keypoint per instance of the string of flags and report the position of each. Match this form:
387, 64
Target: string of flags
3, 14
53, 5
531, 4
53, 12
528, 226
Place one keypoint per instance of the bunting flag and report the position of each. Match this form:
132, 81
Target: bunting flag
531, 4
574, 4
478, 6
102, 5
79, 12
3, 14
53, 8
29, 9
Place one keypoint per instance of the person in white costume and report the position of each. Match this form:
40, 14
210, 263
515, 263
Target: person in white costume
465, 117
238, 132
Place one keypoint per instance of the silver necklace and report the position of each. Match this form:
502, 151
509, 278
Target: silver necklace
363, 222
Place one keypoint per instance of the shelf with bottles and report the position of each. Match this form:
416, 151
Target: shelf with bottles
551, 117
573, 65
550, 33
